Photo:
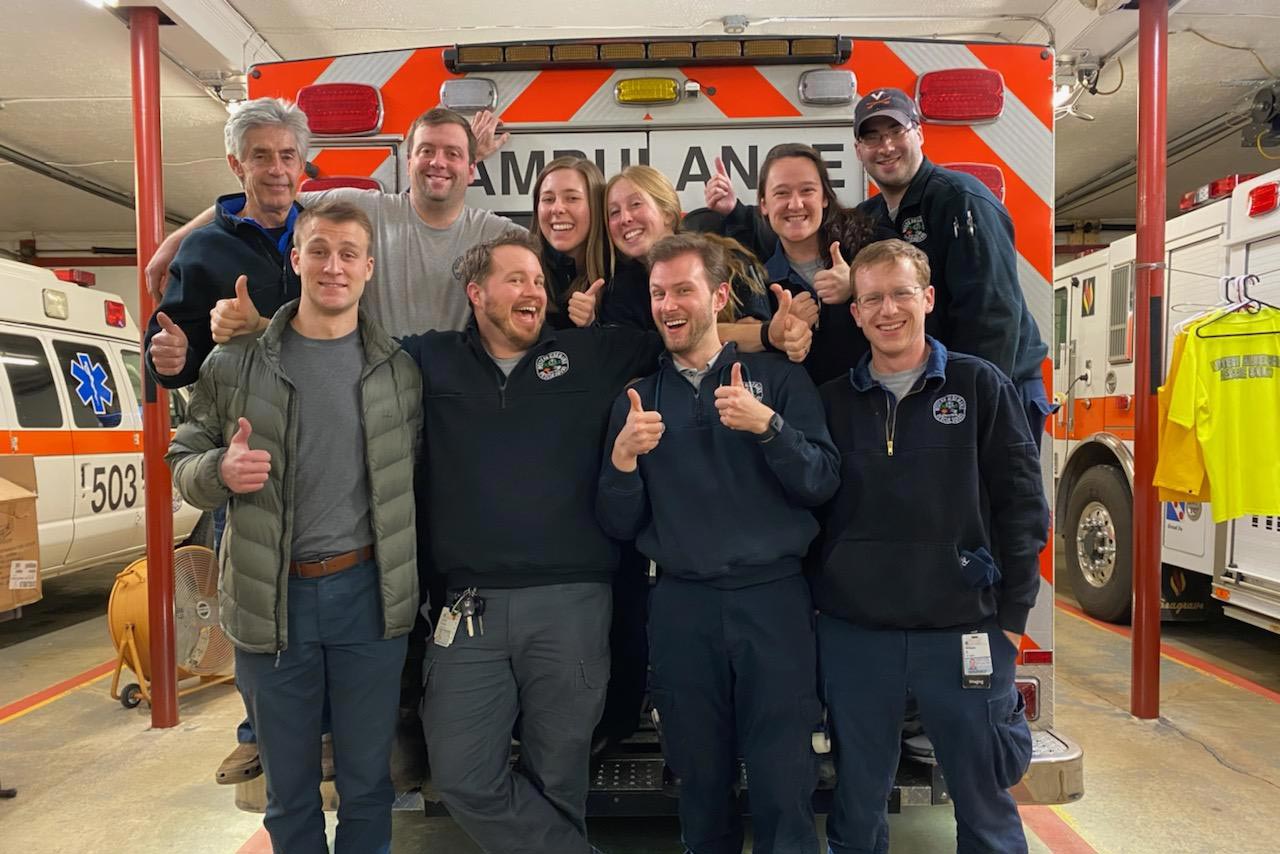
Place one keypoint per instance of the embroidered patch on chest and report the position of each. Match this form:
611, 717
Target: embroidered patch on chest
949, 409
551, 365
756, 388
913, 229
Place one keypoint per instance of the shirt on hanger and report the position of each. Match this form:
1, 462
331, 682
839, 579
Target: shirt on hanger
1180, 474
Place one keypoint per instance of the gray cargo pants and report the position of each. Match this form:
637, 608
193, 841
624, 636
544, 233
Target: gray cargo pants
544, 658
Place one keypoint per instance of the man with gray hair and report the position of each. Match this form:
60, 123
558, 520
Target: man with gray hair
243, 252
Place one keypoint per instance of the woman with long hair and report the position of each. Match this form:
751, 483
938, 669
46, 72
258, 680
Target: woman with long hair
568, 228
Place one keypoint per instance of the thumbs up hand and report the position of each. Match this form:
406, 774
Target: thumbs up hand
738, 407
168, 347
582, 305
719, 194
243, 469
833, 285
789, 331
639, 435
237, 316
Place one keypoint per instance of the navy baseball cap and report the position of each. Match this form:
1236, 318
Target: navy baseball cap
893, 103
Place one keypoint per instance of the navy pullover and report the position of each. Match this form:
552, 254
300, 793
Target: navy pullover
714, 504
940, 516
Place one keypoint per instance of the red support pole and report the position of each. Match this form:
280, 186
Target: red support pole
1153, 39
144, 40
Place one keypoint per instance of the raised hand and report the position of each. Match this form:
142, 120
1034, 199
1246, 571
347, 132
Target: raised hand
833, 285
719, 194
244, 469
806, 308
639, 435
738, 407
236, 316
484, 125
168, 347
787, 332
582, 305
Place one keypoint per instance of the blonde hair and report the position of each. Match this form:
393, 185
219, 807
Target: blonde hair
742, 266
890, 252
597, 252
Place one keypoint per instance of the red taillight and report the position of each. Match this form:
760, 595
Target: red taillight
115, 313
83, 278
1037, 656
1264, 198
1212, 191
316, 185
341, 108
987, 173
961, 95
1030, 691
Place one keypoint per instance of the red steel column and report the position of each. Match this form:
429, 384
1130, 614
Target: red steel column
144, 39
1153, 56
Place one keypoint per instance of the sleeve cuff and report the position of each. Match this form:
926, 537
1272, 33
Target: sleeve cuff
621, 482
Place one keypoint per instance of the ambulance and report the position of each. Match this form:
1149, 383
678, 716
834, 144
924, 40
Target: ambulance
70, 393
677, 103
1231, 229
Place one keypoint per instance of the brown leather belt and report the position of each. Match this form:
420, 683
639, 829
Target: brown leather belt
331, 564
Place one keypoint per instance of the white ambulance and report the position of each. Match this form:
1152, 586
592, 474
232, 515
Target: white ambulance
678, 103
1231, 228
70, 392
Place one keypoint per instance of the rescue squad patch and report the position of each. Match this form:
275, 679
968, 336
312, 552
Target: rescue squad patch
552, 365
949, 409
756, 388
913, 229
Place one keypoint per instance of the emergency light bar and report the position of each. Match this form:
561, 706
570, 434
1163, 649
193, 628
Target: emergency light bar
114, 312
960, 95
631, 53
334, 182
341, 109
1212, 191
987, 173
83, 278
1264, 198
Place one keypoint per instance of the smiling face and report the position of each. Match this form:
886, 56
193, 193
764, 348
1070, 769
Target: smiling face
635, 222
439, 165
563, 210
332, 259
895, 329
890, 154
793, 201
511, 303
685, 305
269, 167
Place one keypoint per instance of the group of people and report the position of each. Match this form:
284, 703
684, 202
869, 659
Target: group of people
412, 394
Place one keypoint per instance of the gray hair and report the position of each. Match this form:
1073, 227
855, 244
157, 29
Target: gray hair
262, 112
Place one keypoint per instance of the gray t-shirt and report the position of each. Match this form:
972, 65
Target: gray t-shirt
506, 365
331, 478
416, 285
899, 382
808, 269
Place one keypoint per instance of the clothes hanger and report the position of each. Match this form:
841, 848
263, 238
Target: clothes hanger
1247, 302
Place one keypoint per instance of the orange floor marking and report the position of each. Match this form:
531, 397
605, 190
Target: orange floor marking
31, 702
1059, 836
259, 843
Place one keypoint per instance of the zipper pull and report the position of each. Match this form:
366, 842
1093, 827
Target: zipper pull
279, 650
889, 442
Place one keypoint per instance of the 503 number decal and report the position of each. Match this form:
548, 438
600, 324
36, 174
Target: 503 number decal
114, 487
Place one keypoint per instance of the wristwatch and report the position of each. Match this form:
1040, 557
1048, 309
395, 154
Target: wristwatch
774, 428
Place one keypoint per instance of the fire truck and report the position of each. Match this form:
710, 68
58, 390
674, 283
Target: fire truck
678, 103
1230, 230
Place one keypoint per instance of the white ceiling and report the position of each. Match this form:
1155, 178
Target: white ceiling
65, 84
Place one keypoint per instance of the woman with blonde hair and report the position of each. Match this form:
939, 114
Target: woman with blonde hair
568, 228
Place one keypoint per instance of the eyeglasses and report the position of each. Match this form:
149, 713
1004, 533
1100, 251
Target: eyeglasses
873, 302
875, 139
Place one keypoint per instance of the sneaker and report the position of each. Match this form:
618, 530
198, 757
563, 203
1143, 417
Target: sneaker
240, 766
326, 757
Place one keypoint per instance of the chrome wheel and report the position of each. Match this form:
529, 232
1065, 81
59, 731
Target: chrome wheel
1096, 544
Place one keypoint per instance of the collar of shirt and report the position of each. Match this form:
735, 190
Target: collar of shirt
232, 205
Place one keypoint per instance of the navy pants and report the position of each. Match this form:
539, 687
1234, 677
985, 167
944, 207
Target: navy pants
980, 736
336, 652
543, 657
734, 674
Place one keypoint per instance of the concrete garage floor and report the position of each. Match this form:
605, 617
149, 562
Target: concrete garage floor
92, 777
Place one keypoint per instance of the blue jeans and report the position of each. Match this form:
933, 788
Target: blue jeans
980, 736
335, 652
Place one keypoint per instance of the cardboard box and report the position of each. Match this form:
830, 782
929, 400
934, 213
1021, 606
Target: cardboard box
19, 542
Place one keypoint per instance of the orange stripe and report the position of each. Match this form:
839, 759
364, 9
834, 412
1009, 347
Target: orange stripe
284, 79
1028, 73
554, 96
1114, 414
1184, 658
259, 843
742, 92
1058, 836
413, 89
334, 162
875, 66
64, 443
30, 701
